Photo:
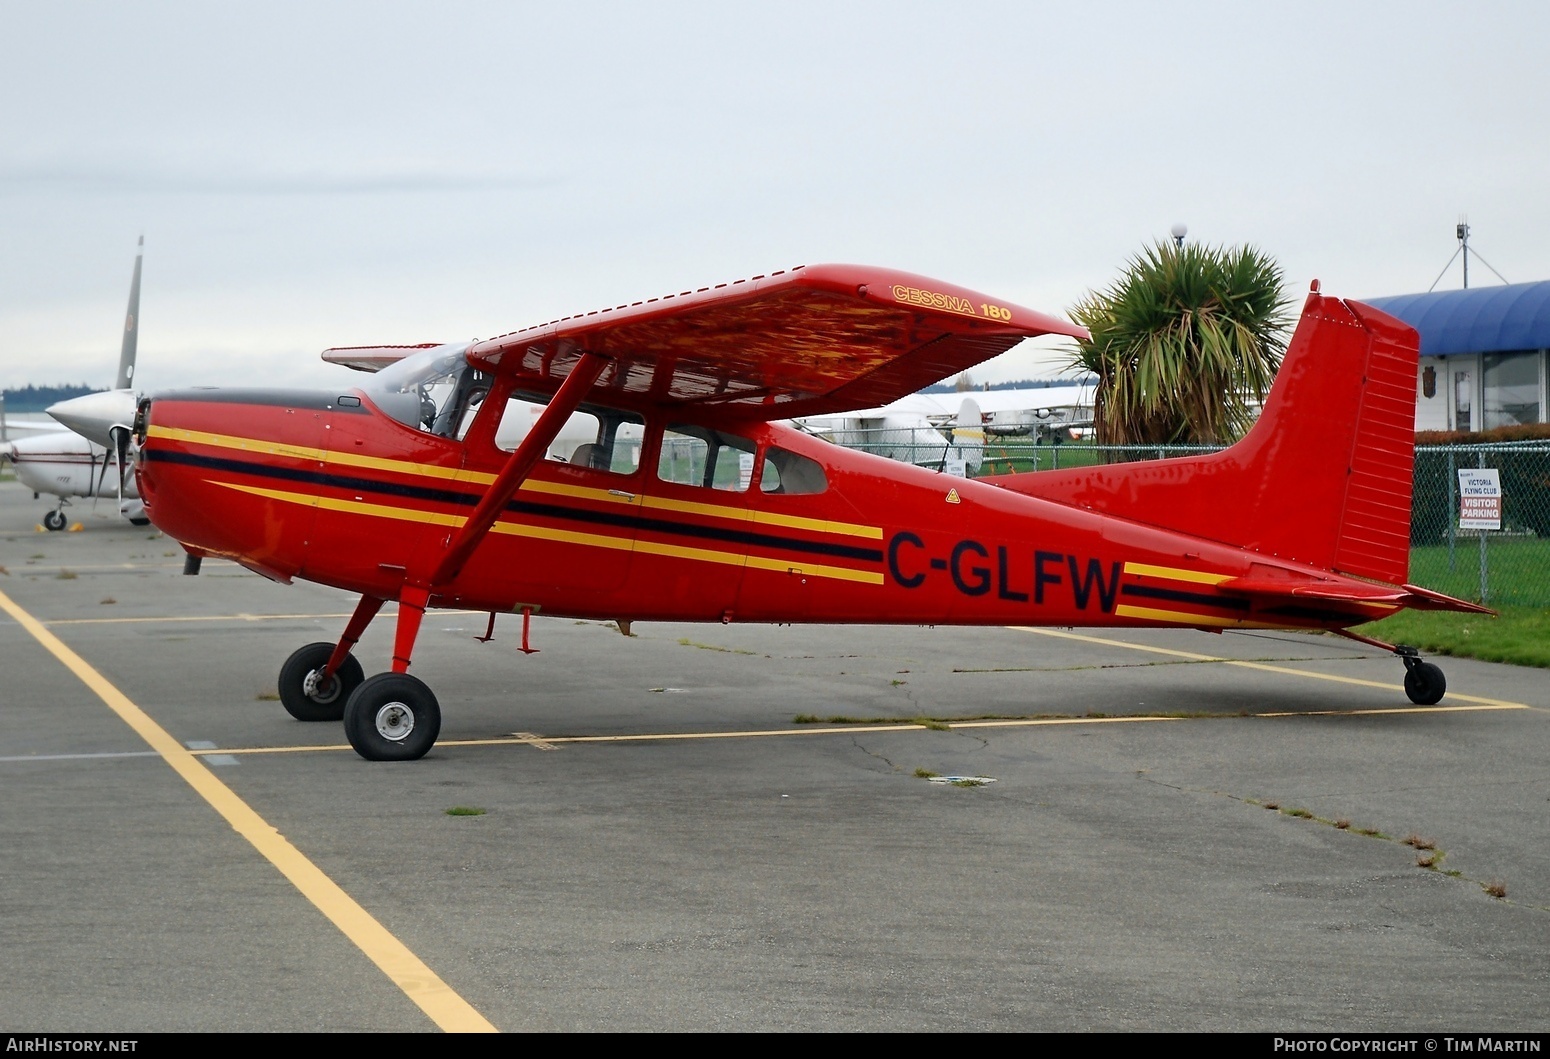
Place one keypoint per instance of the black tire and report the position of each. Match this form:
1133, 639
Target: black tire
54, 520
1425, 684
139, 522
392, 717
324, 703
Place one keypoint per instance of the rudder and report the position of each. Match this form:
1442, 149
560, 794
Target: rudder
1323, 477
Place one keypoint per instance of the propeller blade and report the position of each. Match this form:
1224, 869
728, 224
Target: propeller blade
120, 435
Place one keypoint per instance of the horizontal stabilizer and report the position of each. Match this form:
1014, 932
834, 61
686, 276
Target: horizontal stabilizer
1411, 596
372, 358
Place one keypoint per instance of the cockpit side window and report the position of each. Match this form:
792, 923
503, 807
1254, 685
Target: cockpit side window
710, 459
596, 437
791, 473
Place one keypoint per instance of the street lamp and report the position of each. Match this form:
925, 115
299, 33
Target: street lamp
1179, 231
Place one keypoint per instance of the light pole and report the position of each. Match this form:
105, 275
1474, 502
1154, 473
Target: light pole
1179, 231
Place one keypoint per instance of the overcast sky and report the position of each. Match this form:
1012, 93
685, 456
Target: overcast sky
319, 174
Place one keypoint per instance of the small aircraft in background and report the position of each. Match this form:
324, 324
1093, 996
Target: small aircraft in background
75, 462
692, 500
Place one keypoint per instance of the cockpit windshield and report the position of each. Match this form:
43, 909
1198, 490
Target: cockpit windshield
435, 390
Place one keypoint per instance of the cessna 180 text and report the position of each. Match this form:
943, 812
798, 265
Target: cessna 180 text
691, 501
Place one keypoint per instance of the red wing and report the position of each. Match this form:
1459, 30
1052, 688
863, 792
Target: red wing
819, 338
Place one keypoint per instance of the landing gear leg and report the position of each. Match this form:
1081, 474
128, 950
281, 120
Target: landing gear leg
1424, 683
394, 716
318, 679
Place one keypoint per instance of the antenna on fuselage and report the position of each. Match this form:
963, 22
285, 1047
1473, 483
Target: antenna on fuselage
126, 356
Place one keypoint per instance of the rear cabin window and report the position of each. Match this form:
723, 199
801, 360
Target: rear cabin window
603, 439
790, 473
706, 458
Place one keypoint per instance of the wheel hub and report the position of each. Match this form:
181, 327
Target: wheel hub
395, 721
320, 689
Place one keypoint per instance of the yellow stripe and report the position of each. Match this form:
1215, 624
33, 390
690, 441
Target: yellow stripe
407, 971
1190, 618
453, 474
1061, 635
1174, 574
768, 518
593, 540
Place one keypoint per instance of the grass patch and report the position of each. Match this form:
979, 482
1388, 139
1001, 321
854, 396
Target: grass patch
926, 774
67, 575
1517, 569
464, 810
1520, 636
1418, 842
1497, 889
1427, 860
266, 696
1301, 814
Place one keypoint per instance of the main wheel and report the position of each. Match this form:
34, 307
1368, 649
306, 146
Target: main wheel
54, 520
304, 693
392, 717
1425, 684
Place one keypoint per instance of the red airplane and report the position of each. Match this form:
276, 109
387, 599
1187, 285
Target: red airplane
689, 501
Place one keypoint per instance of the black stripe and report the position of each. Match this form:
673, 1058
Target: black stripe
617, 519
1293, 610
312, 400
1178, 596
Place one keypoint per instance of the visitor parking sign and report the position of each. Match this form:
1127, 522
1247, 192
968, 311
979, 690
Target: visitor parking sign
1480, 499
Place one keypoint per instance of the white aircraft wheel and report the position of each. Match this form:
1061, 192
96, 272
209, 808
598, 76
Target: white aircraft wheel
303, 692
392, 717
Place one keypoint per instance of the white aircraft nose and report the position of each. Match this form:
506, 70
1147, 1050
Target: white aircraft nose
93, 415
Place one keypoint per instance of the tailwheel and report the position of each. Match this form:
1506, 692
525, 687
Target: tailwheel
1424, 682
309, 696
54, 520
392, 717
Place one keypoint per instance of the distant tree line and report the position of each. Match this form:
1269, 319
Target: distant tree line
37, 398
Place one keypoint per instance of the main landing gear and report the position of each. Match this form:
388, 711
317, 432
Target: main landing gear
389, 717
1424, 683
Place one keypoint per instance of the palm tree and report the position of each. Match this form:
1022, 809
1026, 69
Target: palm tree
1184, 344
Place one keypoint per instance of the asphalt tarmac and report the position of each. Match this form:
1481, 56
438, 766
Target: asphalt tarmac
1162, 830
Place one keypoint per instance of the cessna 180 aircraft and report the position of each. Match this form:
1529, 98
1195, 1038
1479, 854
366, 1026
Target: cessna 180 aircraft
692, 502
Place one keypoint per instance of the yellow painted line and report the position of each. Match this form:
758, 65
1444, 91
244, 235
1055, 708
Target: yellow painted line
1497, 704
406, 970
1189, 618
549, 742
1173, 574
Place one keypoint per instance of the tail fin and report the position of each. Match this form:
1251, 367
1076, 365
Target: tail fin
1323, 478
126, 353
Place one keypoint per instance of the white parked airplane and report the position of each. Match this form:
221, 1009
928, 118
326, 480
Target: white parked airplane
74, 463
939, 429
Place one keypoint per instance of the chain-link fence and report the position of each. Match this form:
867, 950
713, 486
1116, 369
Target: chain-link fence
1505, 565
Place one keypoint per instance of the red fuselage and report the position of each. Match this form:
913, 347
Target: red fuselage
314, 486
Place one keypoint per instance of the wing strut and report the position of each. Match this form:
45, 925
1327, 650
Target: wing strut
415, 596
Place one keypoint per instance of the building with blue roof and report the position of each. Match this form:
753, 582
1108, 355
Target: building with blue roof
1483, 354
